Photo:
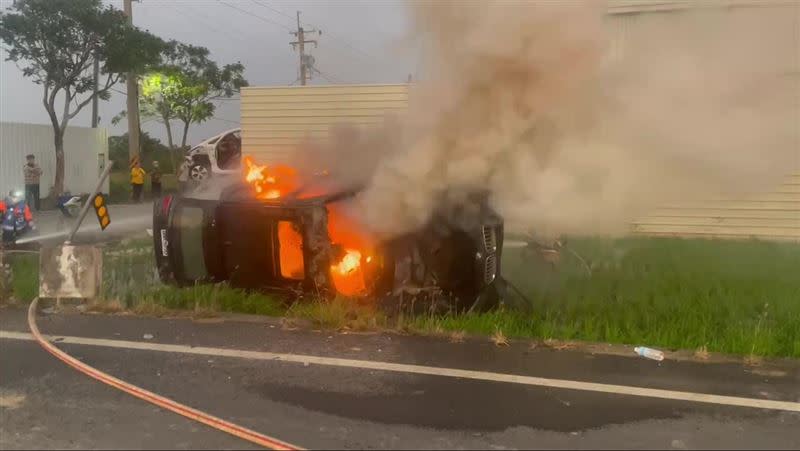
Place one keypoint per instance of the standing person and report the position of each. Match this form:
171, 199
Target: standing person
155, 181
32, 173
137, 181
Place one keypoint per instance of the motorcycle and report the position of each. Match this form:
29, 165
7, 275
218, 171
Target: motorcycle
17, 217
69, 205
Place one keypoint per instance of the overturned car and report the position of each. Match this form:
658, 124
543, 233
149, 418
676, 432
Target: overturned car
260, 235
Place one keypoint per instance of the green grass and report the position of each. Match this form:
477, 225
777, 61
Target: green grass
130, 279
732, 297
341, 313
737, 297
25, 270
120, 186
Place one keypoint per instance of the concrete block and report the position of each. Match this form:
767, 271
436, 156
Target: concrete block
70, 272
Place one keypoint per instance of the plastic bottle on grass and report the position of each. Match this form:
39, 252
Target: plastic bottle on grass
652, 354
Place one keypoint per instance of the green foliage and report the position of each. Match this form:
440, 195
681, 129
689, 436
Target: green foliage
185, 86
152, 150
55, 44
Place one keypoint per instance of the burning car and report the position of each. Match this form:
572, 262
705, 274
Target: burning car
275, 231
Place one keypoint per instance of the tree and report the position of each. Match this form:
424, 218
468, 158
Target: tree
152, 150
185, 87
55, 43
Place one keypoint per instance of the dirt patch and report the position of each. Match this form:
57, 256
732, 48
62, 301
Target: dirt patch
11, 400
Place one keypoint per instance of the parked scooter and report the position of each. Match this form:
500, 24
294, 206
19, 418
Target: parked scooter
17, 217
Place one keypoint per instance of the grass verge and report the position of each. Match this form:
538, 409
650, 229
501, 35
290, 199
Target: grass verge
719, 296
25, 276
120, 186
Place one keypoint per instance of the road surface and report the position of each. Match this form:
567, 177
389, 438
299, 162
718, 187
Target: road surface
45, 404
126, 219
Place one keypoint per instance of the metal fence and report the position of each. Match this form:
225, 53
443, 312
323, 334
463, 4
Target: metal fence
85, 155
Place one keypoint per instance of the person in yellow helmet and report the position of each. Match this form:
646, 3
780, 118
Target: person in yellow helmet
137, 181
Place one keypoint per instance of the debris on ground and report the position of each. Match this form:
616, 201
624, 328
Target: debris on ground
702, 353
458, 336
499, 339
648, 353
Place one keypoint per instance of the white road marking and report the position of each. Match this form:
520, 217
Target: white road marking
425, 370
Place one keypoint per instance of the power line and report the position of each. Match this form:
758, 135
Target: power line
205, 19
328, 77
332, 35
273, 9
251, 14
240, 36
224, 120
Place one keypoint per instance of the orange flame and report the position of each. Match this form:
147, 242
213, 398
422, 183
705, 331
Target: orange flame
348, 274
290, 251
269, 182
350, 262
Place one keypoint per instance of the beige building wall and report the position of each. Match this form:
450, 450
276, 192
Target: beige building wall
276, 119
770, 215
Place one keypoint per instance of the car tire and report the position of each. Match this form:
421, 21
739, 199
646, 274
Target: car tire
199, 172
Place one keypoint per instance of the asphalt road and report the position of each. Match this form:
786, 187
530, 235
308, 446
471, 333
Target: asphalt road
45, 404
126, 219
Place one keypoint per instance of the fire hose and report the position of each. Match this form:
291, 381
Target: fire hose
160, 401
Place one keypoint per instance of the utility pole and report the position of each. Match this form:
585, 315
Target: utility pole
306, 61
133, 100
95, 112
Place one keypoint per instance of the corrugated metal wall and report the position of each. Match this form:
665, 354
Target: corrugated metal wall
276, 119
774, 215
82, 150
771, 215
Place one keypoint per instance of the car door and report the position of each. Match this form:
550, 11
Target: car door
228, 152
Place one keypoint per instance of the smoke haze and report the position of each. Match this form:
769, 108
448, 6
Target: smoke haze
573, 129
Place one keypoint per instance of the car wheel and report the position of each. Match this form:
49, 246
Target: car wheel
199, 172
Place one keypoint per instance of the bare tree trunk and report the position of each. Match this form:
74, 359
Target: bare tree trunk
185, 133
169, 132
58, 186
170, 144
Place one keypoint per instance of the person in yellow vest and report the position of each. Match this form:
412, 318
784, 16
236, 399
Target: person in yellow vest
137, 181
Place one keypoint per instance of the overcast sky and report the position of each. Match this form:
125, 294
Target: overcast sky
361, 42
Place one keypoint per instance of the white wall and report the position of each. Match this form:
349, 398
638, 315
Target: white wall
82, 147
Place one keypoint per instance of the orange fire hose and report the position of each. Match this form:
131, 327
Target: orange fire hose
165, 403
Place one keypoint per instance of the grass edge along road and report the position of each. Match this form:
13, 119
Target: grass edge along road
733, 297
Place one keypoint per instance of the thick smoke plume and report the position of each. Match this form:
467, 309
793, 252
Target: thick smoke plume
573, 129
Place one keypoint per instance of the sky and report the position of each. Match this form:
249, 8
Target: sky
361, 42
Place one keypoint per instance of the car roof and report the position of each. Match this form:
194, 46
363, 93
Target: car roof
218, 136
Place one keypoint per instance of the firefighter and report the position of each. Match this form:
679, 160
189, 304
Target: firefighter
17, 216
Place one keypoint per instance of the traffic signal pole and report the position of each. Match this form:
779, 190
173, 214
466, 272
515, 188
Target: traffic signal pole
89, 202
